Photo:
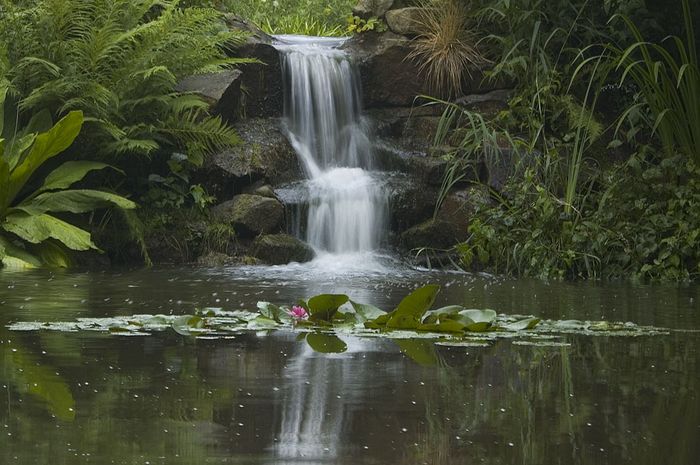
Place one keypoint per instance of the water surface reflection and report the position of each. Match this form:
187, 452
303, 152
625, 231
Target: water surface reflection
73, 398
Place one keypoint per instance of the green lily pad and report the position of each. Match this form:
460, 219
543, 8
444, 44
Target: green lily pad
522, 325
411, 309
324, 306
367, 312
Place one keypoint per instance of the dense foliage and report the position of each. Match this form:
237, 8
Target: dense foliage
30, 232
600, 136
118, 62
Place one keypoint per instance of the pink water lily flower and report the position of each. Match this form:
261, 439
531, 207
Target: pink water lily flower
298, 312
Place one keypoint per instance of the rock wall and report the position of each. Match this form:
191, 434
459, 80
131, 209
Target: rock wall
251, 99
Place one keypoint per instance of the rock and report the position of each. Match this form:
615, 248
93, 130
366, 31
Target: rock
405, 21
372, 8
433, 233
255, 35
251, 214
450, 224
265, 191
263, 155
221, 90
280, 249
410, 202
215, 259
261, 81
389, 77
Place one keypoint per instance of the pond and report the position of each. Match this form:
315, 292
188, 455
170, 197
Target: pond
265, 397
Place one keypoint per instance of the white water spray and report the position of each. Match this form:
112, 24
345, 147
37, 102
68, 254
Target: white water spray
347, 205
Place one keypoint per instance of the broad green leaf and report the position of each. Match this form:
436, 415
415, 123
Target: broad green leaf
367, 312
324, 306
74, 201
13, 257
522, 325
71, 172
409, 313
326, 343
187, 325
271, 311
38, 228
379, 322
16, 147
52, 254
46, 145
420, 351
447, 326
4, 185
435, 316
477, 320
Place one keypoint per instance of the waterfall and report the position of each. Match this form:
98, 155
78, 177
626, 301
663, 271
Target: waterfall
347, 204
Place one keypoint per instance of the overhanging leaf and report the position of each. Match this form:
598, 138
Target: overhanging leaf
75, 201
71, 172
38, 228
46, 145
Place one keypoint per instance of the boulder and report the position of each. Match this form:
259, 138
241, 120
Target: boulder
410, 202
280, 249
263, 155
372, 8
221, 90
405, 21
251, 215
450, 224
433, 233
261, 80
388, 76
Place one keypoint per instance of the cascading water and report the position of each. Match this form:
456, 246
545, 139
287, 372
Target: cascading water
346, 203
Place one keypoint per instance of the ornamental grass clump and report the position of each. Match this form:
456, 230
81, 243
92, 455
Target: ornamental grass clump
446, 49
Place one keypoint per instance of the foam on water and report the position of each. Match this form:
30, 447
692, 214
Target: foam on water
347, 205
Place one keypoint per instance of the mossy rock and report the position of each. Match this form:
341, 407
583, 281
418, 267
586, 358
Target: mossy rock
251, 215
280, 249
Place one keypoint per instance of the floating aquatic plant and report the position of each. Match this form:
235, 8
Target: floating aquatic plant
323, 318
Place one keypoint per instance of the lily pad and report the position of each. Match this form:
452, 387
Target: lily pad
324, 306
411, 309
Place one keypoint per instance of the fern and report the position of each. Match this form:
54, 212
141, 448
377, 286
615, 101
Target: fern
118, 62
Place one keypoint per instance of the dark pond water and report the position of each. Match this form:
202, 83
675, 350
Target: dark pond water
267, 398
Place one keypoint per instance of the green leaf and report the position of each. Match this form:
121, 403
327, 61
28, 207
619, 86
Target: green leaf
38, 228
367, 312
271, 311
4, 185
71, 172
443, 313
322, 307
74, 201
326, 343
448, 326
15, 258
522, 325
52, 254
477, 320
187, 325
409, 313
46, 145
